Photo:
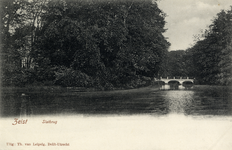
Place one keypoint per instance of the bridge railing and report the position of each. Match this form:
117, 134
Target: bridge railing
178, 77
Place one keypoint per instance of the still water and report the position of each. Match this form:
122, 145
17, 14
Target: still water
197, 100
168, 119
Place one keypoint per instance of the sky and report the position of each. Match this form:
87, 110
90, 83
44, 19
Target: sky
186, 18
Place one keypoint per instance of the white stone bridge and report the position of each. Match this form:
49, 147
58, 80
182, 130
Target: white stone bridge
181, 80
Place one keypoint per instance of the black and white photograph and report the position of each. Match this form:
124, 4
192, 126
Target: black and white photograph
116, 75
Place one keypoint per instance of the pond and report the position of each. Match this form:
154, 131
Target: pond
197, 100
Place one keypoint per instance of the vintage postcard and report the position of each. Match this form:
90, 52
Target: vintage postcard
116, 75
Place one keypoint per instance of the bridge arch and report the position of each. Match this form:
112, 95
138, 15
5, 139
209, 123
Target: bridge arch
187, 82
174, 82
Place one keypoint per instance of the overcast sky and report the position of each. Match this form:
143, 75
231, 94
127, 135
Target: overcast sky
187, 17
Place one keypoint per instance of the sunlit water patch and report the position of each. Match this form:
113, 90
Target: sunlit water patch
178, 100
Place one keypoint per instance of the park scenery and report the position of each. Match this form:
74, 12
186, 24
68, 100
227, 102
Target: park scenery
110, 56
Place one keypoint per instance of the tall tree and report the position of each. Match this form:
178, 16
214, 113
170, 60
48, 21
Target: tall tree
225, 64
11, 18
21, 22
113, 41
211, 55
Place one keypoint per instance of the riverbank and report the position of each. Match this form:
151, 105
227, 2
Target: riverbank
69, 91
222, 91
72, 90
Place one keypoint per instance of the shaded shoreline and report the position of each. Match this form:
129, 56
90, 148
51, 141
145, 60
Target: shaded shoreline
58, 89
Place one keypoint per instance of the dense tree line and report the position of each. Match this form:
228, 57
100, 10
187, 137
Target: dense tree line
175, 64
106, 44
211, 55
179, 63
209, 61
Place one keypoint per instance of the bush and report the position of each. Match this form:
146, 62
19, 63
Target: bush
68, 77
18, 77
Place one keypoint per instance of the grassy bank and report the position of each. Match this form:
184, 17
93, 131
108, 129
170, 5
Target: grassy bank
66, 91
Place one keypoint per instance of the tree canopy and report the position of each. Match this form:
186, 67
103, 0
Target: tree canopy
212, 55
110, 43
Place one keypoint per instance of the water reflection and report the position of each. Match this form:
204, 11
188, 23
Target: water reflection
175, 87
178, 100
198, 100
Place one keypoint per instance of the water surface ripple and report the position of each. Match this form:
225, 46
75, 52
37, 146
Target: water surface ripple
199, 100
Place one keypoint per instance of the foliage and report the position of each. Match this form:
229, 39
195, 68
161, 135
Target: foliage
179, 63
105, 44
225, 75
176, 64
10, 58
70, 78
212, 55
114, 42
18, 77
17, 38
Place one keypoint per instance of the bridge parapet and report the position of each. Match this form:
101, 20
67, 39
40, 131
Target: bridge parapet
181, 80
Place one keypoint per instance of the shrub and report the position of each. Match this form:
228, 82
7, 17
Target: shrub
18, 77
69, 77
